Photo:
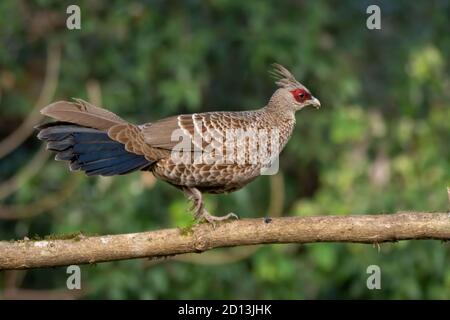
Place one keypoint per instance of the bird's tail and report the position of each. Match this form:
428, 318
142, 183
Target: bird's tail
89, 149
83, 114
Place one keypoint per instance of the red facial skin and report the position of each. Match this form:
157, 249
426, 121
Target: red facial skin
301, 95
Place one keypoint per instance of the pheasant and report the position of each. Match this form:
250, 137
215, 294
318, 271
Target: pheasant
211, 152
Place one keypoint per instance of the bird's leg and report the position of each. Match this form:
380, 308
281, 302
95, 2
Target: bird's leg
200, 212
196, 201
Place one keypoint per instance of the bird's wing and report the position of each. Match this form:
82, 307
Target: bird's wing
200, 129
209, 132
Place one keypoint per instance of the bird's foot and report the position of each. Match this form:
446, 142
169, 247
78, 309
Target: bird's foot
198, 208
205, 215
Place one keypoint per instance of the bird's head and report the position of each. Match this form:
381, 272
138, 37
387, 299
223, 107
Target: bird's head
291, 95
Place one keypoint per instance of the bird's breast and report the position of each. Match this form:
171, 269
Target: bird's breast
226, 177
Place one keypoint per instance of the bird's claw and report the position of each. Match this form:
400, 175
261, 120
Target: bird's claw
205, 215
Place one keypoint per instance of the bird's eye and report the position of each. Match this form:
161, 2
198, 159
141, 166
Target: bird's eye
300, 95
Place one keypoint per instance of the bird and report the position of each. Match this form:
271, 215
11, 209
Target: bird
209, 152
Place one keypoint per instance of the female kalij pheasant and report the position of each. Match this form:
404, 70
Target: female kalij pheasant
214, 152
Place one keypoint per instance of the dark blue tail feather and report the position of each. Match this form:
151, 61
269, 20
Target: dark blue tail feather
90, 150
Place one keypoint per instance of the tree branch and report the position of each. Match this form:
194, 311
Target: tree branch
79, 249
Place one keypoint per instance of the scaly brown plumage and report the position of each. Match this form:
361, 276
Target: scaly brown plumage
213, 152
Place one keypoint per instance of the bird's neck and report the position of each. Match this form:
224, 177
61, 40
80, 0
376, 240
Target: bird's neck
282, 121
280, 108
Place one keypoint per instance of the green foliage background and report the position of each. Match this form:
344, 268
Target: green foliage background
380, 142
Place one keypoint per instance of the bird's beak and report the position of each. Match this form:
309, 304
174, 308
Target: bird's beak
315, 102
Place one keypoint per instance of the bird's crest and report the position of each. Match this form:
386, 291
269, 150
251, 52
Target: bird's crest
285, 79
